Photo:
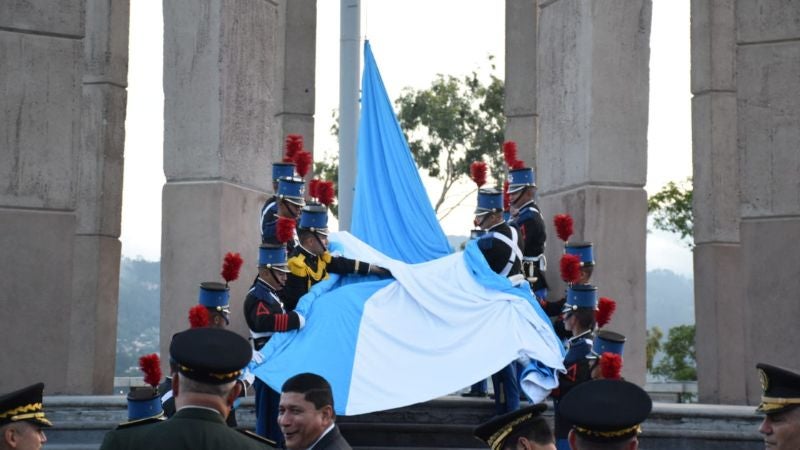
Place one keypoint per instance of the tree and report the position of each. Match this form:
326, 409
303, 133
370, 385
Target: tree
653, 345
679, 362
453, 123
671, 208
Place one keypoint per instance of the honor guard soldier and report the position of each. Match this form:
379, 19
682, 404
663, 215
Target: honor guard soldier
144, 402
265, 315
606, 414
500, 247
287, 204
577, 265
310, 262
527, 218
780, 399
521, 429
22, 418
209, 361
607, 348
579, 319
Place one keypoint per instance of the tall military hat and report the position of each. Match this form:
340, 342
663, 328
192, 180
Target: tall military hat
24, 405
520, 178
582, 250
580, 296
214, 296
781, 388
495, 431
489, 200
282, 169
608, 341
606, 410
273, 256
314, 218
292, 189
210, 355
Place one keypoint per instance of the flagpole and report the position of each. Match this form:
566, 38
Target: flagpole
349, 81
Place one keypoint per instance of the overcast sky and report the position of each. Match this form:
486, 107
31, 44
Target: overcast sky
413, 41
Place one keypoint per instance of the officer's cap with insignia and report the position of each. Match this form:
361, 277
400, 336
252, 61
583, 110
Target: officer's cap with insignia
314, 218
521, 178
581, 296
495, 431
489, 201
210, 355
606, 410
273, 256
24, 405
282, 169
780, 389
292, 189
582, 250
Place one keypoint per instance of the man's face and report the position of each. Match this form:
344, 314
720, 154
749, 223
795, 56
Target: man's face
316, 245
24, 436
520, 197
782, 430
300, 421
289, 209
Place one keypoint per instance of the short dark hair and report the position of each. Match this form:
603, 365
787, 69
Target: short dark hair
314, 388
585, 317
535, 429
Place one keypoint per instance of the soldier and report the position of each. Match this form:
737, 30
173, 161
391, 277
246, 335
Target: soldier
606, 414
310, 262
209, 361
607, 348
144, 402
779, 403
524, 429
527, 218
307, 417
288, 203
579, 319
22, 419
265, 315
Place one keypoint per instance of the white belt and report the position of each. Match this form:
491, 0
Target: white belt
540, 259
261, 335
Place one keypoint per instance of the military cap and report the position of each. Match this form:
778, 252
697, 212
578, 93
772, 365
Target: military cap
608, 341
581, 296
215, 296
520, 178
495, 431
282, 169
24, 405
210, 355
314, 218
273, 256
781, 389
582, 250
291, 189
606, 410
489, 200
144, 404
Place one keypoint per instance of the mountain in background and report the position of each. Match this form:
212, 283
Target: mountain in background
670, 302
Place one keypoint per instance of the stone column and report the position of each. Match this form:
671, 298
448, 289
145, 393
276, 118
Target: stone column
520, 84
768, 111
719, 289
40, 122
224, 121
592, 155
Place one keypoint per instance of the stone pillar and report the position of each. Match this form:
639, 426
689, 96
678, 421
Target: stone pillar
592, 154
719, 290
520, 85
224, 121
768, 111
41, 50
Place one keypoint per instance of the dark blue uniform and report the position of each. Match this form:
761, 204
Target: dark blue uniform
530, 224
578, 371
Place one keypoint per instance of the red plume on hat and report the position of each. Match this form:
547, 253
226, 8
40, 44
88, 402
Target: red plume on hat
151, 366
564, 225
313, 184
510, 153
611, 366
231, 266
294, 144
506, 197
570, 268
284, 230
302, 162
325, 192
605, 309
477, 171
199, 317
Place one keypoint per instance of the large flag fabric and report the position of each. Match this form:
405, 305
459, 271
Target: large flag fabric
435, 328
391, 209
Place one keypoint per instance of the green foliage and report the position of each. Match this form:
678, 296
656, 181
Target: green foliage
671, 208
679, 362
653, 345
451, 124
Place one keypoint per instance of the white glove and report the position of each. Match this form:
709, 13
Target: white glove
257, 358
301, 319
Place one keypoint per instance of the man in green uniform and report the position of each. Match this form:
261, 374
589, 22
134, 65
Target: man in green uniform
209, 362
22, 419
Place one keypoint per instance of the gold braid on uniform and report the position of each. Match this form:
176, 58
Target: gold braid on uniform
636, 429
298, 267
497, 438
772, 403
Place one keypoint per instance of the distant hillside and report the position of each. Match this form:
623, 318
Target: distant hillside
670, 300
138, 314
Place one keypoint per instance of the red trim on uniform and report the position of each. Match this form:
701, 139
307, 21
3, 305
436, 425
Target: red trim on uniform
262, 309
572, 372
